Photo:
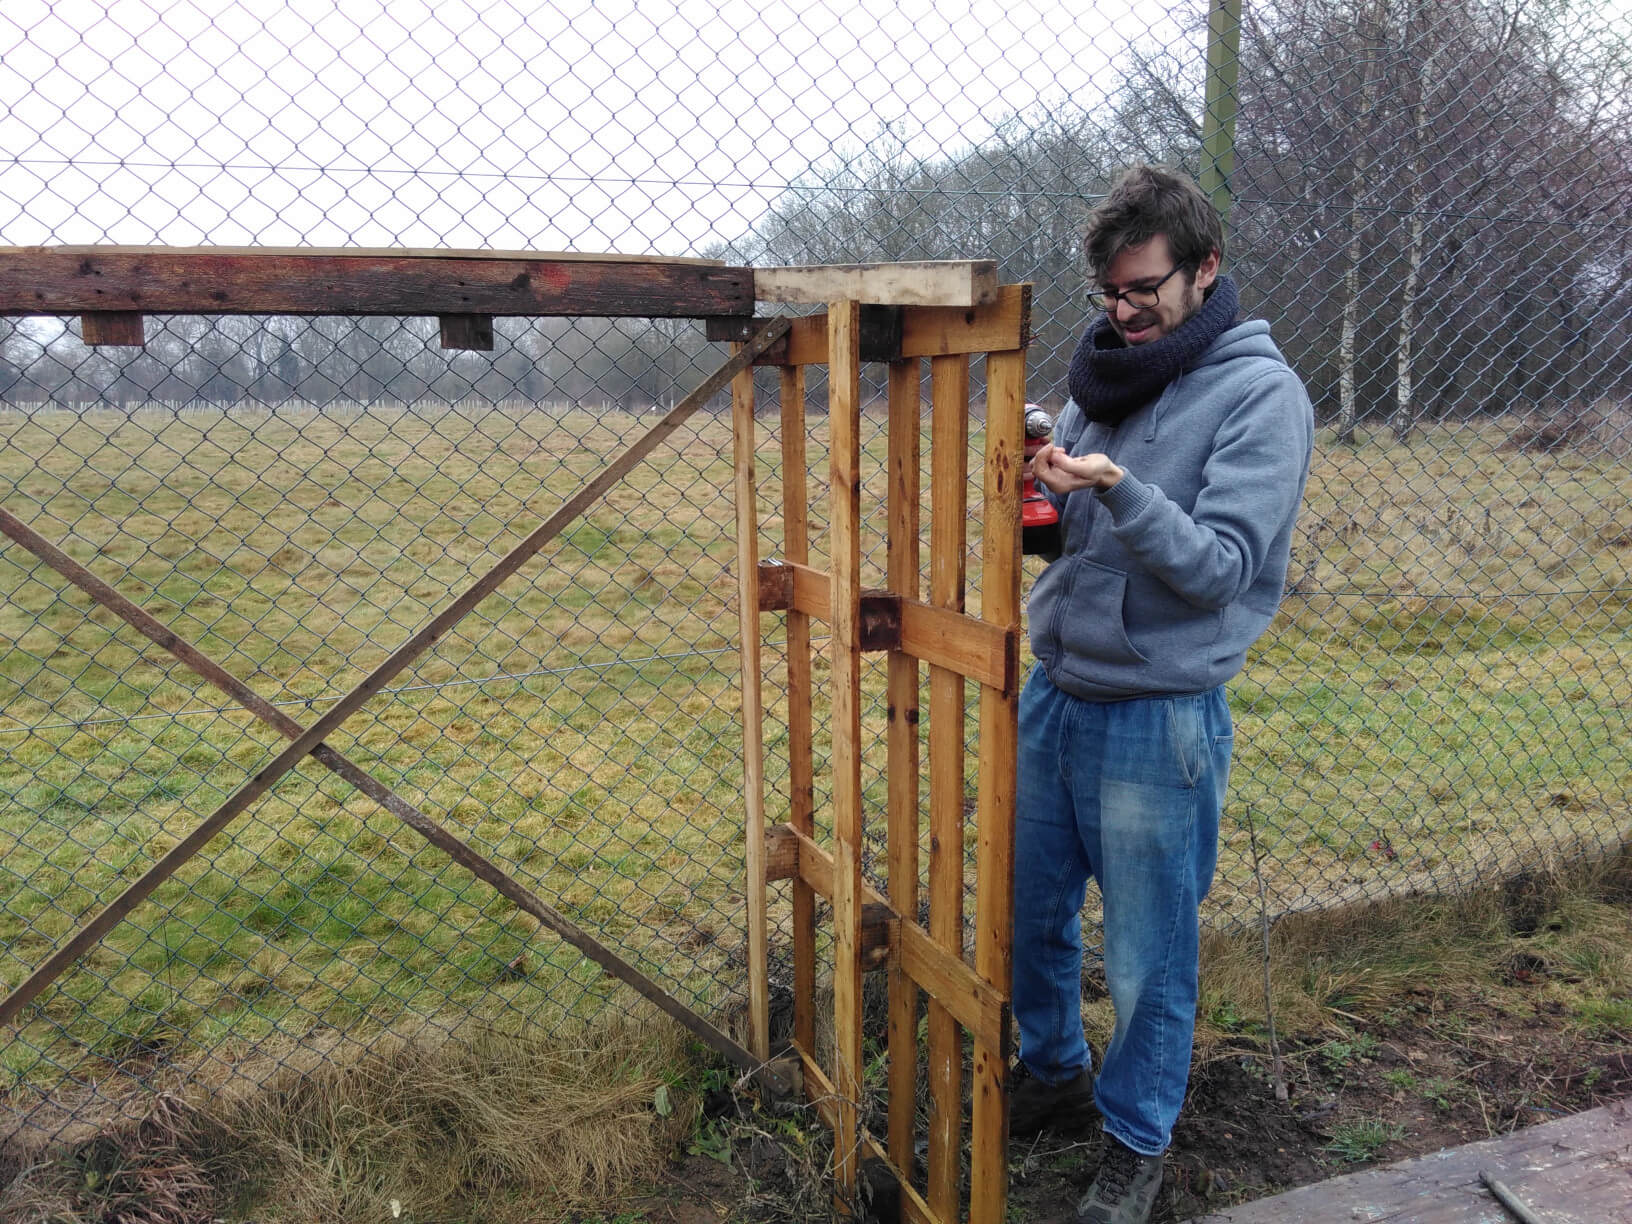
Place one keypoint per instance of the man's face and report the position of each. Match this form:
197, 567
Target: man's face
1180, 296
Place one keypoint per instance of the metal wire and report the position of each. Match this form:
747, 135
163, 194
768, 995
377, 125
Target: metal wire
1428, 204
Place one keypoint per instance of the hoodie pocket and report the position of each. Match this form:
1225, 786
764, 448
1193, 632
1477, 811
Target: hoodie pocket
1083, 609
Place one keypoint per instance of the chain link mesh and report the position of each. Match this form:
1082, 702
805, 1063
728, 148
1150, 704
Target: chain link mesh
1429, 204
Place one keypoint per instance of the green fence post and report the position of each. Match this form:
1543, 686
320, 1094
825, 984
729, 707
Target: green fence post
1218, 125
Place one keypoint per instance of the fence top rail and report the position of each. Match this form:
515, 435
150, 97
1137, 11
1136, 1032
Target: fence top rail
77, 280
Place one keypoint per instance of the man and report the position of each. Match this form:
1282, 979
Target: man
1178, 467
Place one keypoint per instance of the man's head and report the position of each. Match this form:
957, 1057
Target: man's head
1153, 247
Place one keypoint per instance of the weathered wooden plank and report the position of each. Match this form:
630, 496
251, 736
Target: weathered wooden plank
948, 547
902, 750
1571, 1169
844, 503
743, 437
999, 736
374, 253
51, 281
952, 282
801, 763
112, 327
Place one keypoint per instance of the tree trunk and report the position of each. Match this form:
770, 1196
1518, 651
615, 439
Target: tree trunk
1348, 410
1404, 410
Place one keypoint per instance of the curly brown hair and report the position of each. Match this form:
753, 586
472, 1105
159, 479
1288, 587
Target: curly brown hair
1149, 200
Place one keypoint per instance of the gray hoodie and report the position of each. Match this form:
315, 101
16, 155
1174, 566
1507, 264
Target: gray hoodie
1166, 579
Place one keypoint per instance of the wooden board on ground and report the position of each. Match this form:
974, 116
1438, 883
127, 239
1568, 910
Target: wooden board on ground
1577, 1170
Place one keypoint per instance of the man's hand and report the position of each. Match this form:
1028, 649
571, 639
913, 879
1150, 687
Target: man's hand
1060, 473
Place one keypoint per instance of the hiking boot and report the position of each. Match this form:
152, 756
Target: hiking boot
1124, 1190
1035, 1105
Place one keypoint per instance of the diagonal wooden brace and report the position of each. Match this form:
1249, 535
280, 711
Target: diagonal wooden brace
309, 740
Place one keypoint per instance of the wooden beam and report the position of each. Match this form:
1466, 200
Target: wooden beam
986, 653
54, 281
949, 282
1002, 324
844, 519
467, 331
744, 435
902, 749
996, 803
112, 327
807, 341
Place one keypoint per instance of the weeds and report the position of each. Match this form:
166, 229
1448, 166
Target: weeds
1361, 1140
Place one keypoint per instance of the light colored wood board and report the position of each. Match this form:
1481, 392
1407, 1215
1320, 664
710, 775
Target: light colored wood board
801, 769
1002, 324
362, 253
902, 750
926, 283
743, 434
844, 509
979, 1006
1574, 1169
996, 802
948, 547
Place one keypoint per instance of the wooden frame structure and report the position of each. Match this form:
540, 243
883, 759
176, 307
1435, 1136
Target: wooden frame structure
872, 930
900, 314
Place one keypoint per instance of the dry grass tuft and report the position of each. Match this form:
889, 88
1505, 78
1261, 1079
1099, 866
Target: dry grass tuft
1362, 957
434, 1124
427, 1125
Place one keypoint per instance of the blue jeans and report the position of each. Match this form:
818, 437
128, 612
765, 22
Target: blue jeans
1128, 792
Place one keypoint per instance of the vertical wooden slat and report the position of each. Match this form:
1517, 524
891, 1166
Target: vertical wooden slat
844, 375
801, 783
753, 747
903, 754
949, 478
994, 905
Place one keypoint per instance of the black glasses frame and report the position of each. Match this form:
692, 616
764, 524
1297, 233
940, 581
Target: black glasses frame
1141, 298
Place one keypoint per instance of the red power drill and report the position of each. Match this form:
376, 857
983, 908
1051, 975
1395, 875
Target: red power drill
1039, 523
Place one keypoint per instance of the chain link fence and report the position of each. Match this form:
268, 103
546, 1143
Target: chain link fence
1428, 201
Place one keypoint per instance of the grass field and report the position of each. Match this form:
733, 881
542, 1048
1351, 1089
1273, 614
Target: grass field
1445, 692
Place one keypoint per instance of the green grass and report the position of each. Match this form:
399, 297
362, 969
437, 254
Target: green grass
1443, 691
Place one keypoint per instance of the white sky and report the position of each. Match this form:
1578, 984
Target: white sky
581, 124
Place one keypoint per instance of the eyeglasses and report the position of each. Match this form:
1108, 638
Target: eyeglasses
1141, 297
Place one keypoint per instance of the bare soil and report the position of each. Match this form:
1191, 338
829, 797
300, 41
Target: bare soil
1431, 1071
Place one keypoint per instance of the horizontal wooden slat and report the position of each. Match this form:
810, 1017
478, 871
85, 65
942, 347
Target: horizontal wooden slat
879, 335
820, 1093
1002, 325
988, 654
50, 281
975, 1003
948, 282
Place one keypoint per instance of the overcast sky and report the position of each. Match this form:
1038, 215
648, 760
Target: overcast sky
581, 124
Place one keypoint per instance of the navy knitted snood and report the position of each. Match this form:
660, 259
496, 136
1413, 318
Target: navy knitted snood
1110, 379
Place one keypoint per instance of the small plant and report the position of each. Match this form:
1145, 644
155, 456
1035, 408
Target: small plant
1439, 1093
1361, 1140
1401, 1079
